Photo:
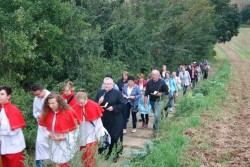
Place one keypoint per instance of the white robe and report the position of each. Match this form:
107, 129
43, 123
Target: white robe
12, 142
62, 151
90, 133
42, 145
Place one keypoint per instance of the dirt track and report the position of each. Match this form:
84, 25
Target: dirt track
224, 140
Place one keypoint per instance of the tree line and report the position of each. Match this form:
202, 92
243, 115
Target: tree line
84, 40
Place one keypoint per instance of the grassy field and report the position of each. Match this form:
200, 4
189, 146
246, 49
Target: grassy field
241, 43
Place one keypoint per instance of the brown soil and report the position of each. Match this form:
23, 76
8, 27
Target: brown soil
224, 137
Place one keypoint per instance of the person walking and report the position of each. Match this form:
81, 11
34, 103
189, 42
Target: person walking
113, 104
42, 146
131, 92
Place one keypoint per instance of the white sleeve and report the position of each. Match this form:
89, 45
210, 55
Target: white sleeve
5, 129
35, 110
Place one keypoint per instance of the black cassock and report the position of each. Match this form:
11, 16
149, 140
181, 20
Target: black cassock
112, 120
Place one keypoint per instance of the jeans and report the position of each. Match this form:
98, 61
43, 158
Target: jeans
170, 101
39, 163
185, 89
156, 107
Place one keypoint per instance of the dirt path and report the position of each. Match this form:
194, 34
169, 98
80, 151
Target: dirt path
224, 137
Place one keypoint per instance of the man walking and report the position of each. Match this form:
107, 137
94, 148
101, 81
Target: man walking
42, 147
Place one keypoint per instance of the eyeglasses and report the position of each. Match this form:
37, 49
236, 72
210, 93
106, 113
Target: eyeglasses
81, 90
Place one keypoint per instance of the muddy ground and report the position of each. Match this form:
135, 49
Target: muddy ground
224, 137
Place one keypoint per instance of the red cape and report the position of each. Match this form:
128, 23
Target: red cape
66, 121
93, 111
14, 115
72, 102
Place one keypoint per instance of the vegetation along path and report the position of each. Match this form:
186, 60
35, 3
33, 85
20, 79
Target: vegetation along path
224, 139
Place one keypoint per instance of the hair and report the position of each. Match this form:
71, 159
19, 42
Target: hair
70, 85
62, 105
140, 75
131, 78
108, 78
125, 72
81, 95
36, 87
7, 89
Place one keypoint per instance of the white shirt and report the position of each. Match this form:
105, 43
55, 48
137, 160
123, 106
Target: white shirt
11, 141
38, 104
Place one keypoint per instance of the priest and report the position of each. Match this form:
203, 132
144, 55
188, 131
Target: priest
113, 104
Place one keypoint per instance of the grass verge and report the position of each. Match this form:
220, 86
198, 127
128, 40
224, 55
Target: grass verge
170, 143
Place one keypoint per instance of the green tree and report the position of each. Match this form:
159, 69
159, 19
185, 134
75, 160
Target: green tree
245, 14
228, 20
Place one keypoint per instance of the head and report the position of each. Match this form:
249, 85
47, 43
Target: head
131, 80
54, 102
155, 75
183, 68
174, 74
37, 90
140, 77
108, 83
5, 94
68, 88
167, 74
164, 68
124, 75
81, 98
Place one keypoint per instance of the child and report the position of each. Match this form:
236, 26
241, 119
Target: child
144, 111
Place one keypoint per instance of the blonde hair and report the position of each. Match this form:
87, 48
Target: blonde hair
140, 75
81, 95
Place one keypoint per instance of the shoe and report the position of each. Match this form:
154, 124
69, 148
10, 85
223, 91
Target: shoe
146, 126
143, 124
171, 109
124, 131
165, 108
133, 130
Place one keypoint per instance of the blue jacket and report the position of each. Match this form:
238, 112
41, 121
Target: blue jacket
173, 86
135, 92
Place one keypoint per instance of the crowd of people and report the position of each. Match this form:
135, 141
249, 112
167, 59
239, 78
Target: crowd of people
70, 122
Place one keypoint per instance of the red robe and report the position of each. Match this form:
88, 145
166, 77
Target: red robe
93, 111
14, 115
72, 102
66, 121
16, 121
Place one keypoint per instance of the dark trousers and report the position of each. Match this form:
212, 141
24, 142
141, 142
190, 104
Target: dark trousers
144, 120
185, 89
126, 114
116, 146
134, 119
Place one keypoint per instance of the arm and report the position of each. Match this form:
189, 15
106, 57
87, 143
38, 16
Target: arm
119, 107
36, 111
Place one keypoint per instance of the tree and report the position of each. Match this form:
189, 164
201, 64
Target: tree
228, 20
245, 14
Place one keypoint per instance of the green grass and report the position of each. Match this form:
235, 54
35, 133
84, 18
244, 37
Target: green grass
170, 144
241, 43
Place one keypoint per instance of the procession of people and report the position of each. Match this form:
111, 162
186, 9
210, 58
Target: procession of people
69, 122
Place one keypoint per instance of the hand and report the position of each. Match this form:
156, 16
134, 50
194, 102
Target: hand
125, 96
52, 136
159, 94
110, 108
132, 97
145, 105
60, 138
101, 99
